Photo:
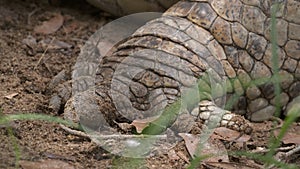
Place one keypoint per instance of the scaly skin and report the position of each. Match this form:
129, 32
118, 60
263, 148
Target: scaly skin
233, 39
126, 7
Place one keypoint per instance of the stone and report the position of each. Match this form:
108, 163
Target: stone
257, 104
263, 114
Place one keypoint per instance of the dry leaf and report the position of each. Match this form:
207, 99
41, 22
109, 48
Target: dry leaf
30, 41
54, 44
45, 164
191, 142
213, 148
10, 96
141, 124
31, 44
51, 25
227, 134
289, 137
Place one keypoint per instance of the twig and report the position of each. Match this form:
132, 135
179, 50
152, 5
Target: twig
30, 14
74, 132
286, 155
121, 136
43, 55
109, 136
278, 149
293, 151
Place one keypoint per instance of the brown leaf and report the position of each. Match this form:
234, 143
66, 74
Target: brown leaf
30, 41
54, 44
45, 164
141, 124
227, 134
213, 148
51, 25
191, 142
289, 137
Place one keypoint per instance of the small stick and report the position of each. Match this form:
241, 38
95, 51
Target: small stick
293, 151
109, 136
277, 149
74, 132
43, 55
30, 14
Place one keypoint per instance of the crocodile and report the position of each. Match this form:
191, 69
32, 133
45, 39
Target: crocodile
175, 50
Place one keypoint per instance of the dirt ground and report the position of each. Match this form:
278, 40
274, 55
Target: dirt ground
25, 71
